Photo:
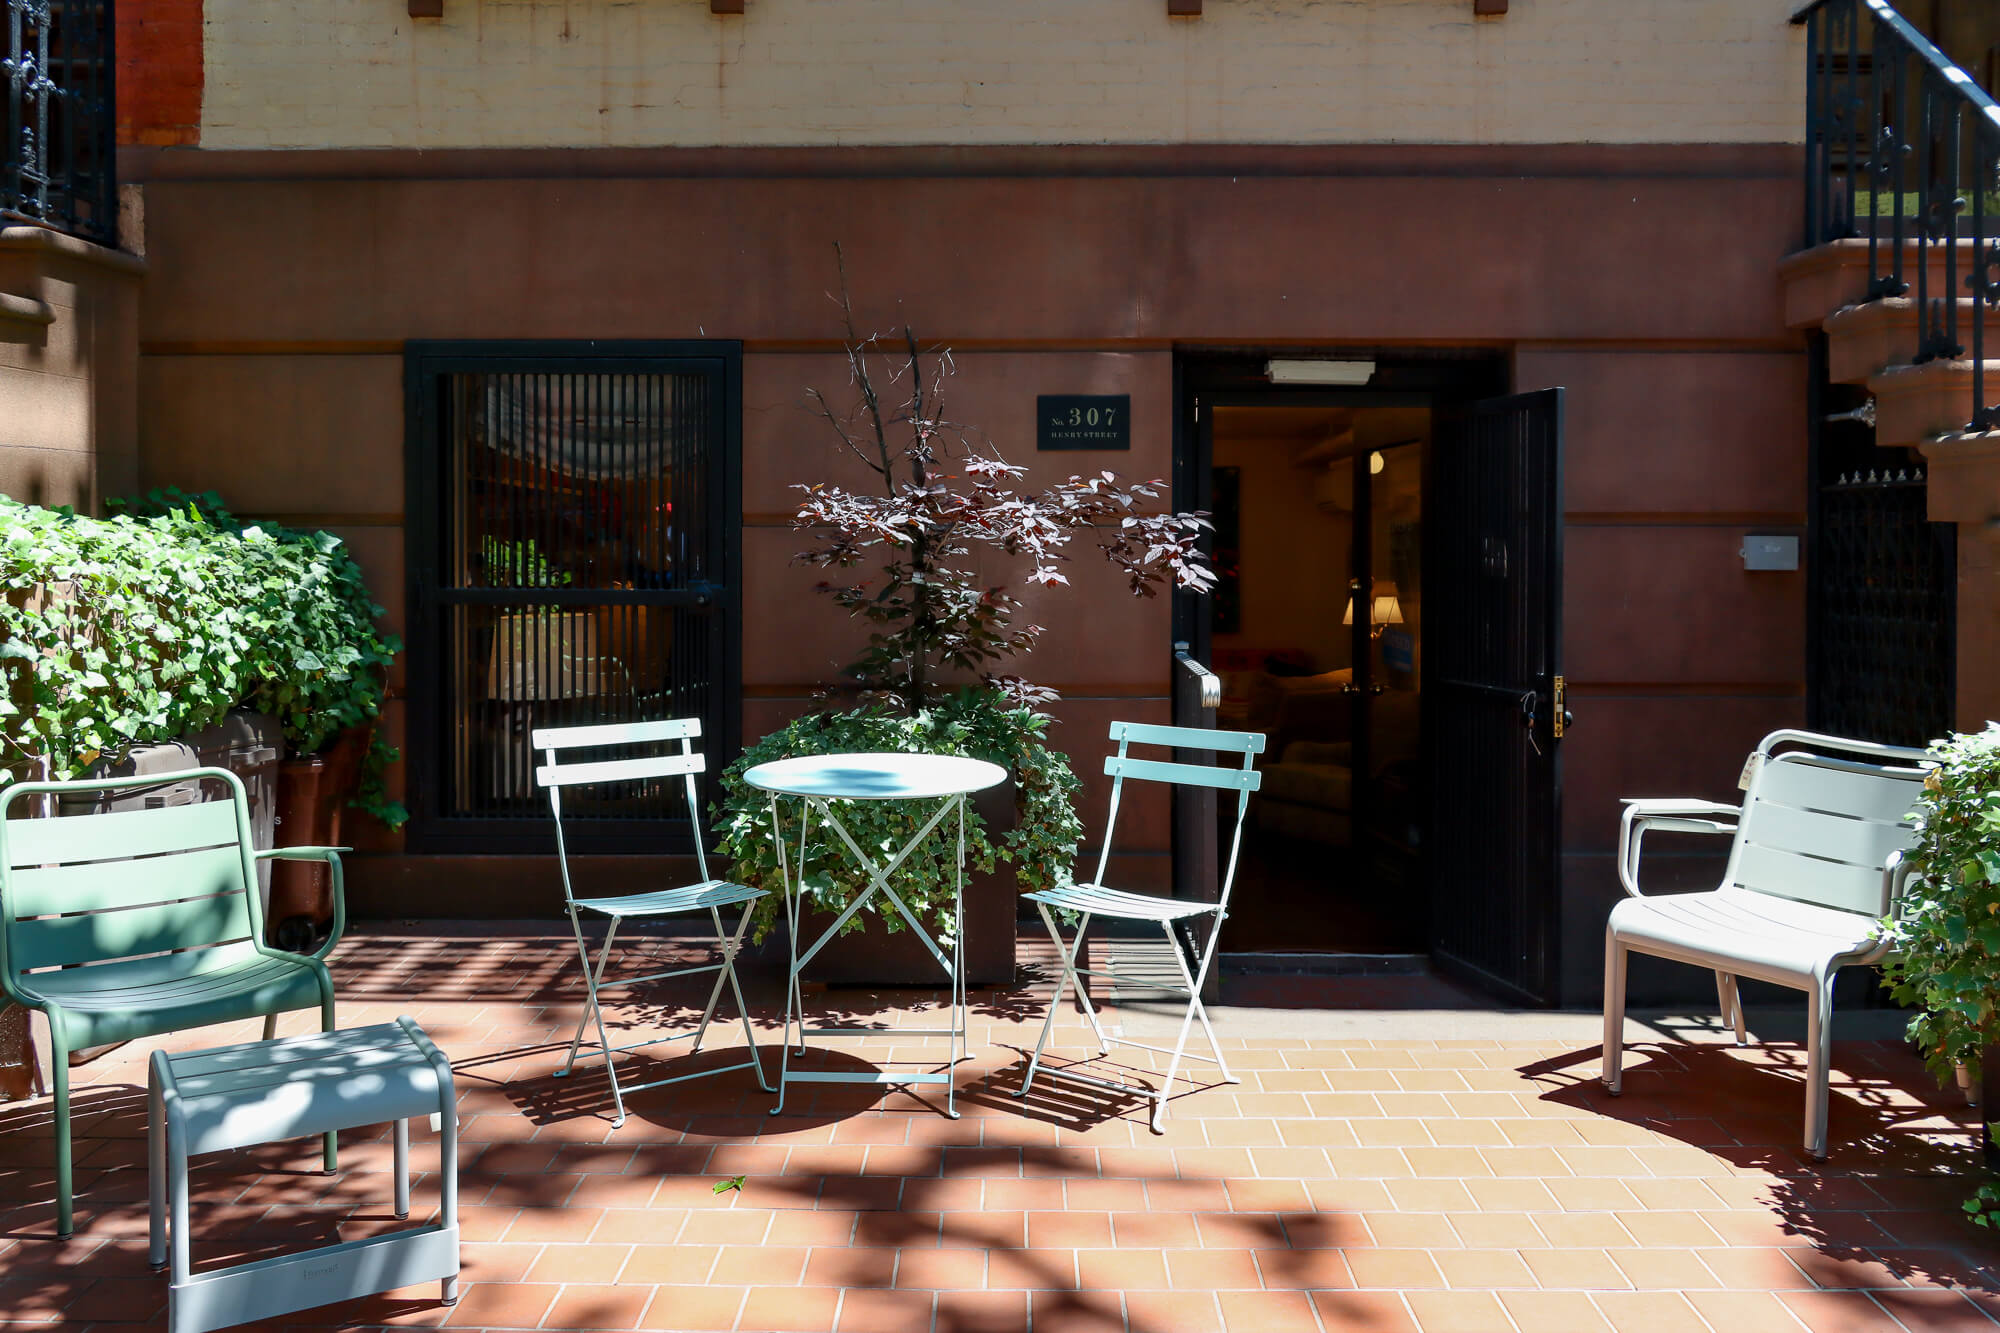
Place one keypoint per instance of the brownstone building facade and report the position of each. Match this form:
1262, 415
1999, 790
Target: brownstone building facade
1122, 204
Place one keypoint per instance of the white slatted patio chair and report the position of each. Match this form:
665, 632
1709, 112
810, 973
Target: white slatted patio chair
1816, 863
1096, 899
708, 895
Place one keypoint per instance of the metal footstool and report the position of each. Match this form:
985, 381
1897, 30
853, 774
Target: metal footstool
264, 1091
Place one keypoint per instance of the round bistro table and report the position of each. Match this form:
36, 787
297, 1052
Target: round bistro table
817, 782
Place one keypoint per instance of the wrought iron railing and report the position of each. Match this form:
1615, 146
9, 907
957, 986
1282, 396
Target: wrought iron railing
1903, 148
56, 117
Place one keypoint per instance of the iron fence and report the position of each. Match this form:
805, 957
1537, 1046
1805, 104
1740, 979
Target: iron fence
1903, 148
57, 150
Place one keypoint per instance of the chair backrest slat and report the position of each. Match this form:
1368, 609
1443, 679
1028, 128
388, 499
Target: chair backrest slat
1198, 775
1241, 778
1189, 738
1857, 790
107, 886
683, 762
1806, 879
615, 733
104, 936
92, 837
1859, 842
619, 770
1820, 829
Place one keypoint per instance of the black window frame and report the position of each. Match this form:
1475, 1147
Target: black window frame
426, 364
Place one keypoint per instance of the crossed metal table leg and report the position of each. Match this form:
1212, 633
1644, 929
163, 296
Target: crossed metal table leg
878, 882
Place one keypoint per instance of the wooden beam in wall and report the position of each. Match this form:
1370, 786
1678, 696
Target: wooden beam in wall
1184, 9
426, 9
1488, 9
725, 6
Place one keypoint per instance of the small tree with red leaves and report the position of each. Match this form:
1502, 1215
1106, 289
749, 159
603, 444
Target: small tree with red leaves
903, 553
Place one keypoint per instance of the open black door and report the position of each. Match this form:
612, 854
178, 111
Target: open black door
1493, 689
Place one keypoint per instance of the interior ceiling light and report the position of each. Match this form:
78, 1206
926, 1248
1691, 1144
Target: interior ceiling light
1319, 372
1376, 464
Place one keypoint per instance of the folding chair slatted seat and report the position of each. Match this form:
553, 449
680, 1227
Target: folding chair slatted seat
1815, 863
1096, 899
708, 895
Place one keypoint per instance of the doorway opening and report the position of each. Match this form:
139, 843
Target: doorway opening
1317, 632
1341, 597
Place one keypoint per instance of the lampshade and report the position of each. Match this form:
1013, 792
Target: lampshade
1386, 609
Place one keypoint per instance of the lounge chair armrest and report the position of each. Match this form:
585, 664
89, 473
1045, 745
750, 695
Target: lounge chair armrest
1671, 807
330, 855
1669, 815
1897, 872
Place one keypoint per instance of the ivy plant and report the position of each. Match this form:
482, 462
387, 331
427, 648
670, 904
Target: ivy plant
1947, 935
974, 722
158, 621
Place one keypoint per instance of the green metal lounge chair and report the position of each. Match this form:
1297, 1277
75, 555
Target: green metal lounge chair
137, 923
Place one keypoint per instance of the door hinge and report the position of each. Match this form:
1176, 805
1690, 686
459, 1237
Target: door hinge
1558, 716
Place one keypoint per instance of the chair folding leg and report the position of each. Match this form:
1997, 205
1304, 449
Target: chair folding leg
1068, 977
1614, 1013
731, 945
1192, 980
592, 978
594, 1009
722, 974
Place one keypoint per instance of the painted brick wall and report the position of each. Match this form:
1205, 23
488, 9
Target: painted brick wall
506, 73
159, 72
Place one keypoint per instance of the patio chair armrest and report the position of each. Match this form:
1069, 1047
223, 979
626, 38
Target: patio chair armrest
330, 855
1670, 815
1897, 872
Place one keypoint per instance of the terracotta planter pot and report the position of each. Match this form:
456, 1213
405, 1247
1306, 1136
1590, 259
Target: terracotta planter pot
20, 1076
312, 791
875, 957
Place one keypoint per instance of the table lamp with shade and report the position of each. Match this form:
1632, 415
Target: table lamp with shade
1384, 611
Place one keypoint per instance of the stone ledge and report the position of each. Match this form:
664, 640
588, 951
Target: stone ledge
20, 314
1965, 478
1818, 282
44, 240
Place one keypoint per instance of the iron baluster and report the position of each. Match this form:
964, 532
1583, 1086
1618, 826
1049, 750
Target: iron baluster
1983, 280
1851, 110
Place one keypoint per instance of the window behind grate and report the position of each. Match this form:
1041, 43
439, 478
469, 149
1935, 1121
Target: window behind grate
572, 563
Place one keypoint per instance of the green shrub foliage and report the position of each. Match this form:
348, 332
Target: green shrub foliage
979, 723
155, 623
1947, 935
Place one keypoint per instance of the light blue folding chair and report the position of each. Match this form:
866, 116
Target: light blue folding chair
1096, 899
708, 895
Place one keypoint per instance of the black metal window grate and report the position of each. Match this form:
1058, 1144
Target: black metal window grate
57, 111
1884, 580
577, 572
1887, 587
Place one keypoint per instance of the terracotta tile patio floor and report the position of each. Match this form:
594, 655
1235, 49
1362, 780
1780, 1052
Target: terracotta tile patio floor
1396, 1181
